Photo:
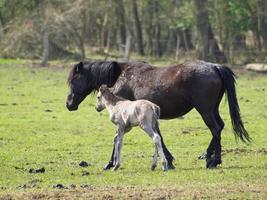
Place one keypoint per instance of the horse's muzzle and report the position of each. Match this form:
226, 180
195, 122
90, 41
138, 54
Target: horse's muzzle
71, 107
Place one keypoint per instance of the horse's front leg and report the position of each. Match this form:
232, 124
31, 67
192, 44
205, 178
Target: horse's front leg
111, 161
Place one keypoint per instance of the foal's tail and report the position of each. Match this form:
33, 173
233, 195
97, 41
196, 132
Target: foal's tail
228, 78
156, 111
156, 114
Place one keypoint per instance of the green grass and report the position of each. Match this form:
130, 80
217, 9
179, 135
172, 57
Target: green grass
36, 130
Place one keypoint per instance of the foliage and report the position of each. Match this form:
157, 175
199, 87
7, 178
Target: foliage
78, 28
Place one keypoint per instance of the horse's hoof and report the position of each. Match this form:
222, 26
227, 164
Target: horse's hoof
108, 166
211, 164
170, 166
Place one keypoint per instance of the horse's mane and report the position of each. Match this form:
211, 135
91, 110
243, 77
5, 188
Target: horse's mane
98, 72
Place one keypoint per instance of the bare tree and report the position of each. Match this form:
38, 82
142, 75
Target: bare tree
121, 20
157, 47
208, 47
139, 34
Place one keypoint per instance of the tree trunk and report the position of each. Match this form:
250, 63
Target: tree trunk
262, 4
208, 47
177, 52
45, 55
139, 35
121, 20
104, 32
157, 46
127, 50
149, 29
1, 27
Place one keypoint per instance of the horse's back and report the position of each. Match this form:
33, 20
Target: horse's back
204, 85
175, 89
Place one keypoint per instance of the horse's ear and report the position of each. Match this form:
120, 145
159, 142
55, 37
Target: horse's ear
115, 68
114, 72
79, 67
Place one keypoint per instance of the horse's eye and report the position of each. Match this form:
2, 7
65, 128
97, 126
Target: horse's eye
98, 97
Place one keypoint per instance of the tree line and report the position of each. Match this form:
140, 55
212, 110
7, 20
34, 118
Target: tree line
213, 30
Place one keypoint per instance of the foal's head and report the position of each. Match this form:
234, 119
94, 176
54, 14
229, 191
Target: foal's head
101, 103
104, 97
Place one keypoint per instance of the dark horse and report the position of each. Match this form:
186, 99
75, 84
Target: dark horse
176, 89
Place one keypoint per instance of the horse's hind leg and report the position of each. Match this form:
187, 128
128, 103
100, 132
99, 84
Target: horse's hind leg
210, 119
211, 147
167, 154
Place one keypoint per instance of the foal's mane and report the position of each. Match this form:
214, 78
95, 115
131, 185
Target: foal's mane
105, 91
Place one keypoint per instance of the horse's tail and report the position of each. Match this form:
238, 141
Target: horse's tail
228, 78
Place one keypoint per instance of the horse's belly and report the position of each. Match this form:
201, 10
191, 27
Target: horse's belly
172, 103
172, 109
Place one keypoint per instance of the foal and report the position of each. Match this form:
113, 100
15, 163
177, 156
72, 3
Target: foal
126, 114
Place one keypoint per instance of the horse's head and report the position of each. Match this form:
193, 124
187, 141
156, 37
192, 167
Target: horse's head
88, 76
80, 86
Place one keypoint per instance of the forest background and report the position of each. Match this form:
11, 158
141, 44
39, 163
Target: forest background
232, 31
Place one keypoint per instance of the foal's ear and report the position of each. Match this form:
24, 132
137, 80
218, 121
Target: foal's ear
79, 67
103, 88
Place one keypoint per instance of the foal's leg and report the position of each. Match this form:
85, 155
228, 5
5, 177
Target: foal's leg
155, 158
118, 147
157, 140
111, 161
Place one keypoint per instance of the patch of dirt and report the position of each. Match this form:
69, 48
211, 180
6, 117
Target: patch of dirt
84, 164
193, 130
214, 191
243, 150
59, 186
35, 171
85, 173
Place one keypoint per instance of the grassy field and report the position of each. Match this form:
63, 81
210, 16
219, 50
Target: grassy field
37, 131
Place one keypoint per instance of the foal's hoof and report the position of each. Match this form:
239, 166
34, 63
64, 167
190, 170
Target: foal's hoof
212, 163
153, 167
203, 156
108, 166
164, 168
